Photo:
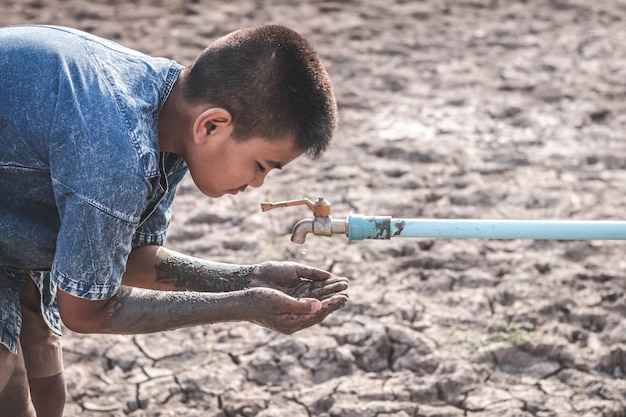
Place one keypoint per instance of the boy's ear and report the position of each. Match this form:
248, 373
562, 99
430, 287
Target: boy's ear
209, 122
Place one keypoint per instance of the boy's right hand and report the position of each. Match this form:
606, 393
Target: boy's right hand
297, 280
278, 311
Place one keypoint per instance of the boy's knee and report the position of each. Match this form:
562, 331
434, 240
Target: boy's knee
48, 395
14, 391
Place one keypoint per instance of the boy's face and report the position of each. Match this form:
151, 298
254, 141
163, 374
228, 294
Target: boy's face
225, 166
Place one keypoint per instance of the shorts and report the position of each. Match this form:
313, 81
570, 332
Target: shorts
39, 354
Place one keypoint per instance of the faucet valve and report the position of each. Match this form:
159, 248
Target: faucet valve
322, 224
320, 208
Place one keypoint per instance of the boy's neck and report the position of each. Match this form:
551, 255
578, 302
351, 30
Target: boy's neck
173, 123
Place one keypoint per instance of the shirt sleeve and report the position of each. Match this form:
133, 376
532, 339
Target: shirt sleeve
93, 245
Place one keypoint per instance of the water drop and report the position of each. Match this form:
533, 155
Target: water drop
303, 250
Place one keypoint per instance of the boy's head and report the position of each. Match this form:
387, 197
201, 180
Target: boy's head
272, 82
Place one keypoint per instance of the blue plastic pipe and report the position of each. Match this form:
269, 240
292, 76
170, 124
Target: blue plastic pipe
385, 227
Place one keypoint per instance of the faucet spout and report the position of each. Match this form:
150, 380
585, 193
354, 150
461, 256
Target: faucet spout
319, 226
300, 230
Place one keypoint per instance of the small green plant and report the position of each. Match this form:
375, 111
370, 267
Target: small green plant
501, 333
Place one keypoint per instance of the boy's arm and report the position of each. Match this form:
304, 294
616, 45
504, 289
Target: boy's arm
158, 268
136, 310
155, 267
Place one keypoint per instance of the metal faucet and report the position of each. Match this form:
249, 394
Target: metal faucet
322, 223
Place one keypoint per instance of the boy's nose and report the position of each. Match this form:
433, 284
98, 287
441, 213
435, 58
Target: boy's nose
258, 180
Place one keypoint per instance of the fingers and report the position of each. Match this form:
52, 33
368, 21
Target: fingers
300, 322
320, 289
312, 273
304, 306
329, 290
329, 281
335, 302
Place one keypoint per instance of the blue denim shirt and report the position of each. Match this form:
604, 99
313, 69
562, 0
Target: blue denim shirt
81, 176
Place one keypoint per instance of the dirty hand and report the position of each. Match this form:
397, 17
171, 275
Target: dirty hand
278, 311
297, 280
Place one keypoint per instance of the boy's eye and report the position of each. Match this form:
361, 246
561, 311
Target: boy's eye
261, 167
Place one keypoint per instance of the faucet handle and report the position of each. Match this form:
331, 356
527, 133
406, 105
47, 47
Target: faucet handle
321, 207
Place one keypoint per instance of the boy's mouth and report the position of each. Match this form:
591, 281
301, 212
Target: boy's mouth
236, 191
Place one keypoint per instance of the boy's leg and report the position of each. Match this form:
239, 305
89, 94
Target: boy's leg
48, 395
14, 393
42, 356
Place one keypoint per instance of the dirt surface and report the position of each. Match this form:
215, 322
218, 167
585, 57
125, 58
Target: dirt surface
449, 109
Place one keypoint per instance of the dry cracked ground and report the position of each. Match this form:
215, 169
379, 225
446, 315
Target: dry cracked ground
449, 109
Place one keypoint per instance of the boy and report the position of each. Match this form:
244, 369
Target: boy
94, 139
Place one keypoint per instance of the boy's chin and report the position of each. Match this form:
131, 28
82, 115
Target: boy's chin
218, 194
213, 193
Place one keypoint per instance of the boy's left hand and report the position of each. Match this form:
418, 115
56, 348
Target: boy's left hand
278, 311
297, 280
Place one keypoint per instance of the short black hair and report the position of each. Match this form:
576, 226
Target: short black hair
272, 82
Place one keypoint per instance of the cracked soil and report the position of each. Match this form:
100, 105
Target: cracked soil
486, 109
